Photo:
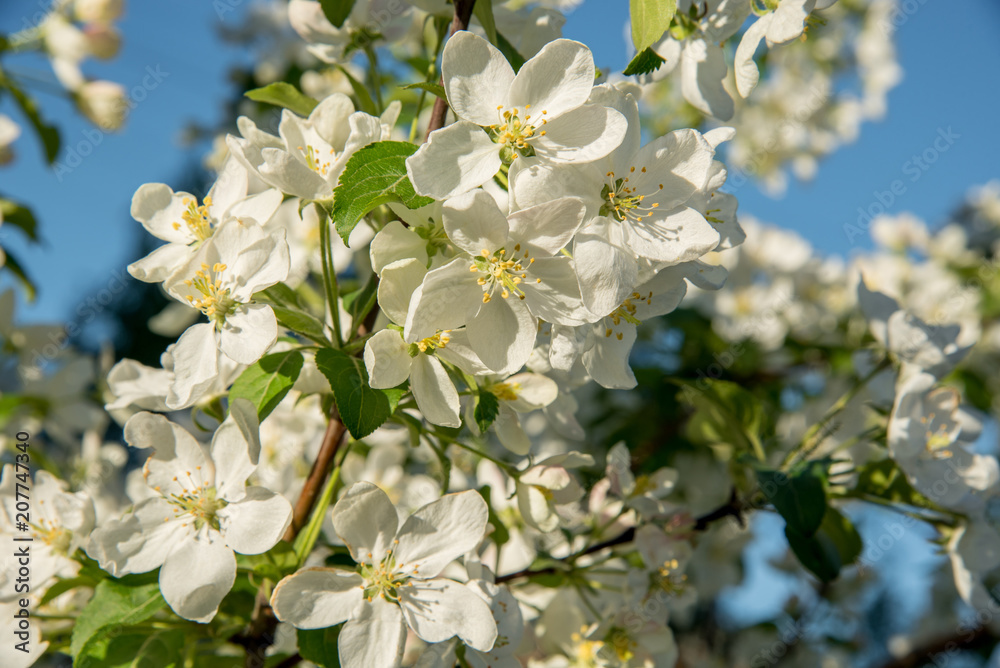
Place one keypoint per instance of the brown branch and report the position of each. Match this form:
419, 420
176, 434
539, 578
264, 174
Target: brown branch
930, 652
463, 13
732, 508
259, 634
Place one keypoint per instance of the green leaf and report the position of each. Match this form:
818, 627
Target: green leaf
487, 409
885, 480
725, 413
799, 498
650, 19
835, 545
285, 95
362, 408
62, 586
337, 11
116, 603
483, 10
360, 302
47, 134
111, 651
162, 650
280, 294
267, 382
15, 267
373, 176
19, 216
645, 61
435, 88
500, 533
365, 100
320, 646
512, 55
302, 323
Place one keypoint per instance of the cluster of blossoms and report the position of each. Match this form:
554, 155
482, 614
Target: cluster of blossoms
387, 433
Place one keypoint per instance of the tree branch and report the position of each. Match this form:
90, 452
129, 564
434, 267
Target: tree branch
930, 652
463, 13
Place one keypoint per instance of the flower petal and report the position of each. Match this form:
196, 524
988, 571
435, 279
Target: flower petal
703, 68
374, 638
366, 521
434, 392
454, 160
502, 333
196, 576
474, 222
440, 532
177, 456
581, 135
256, 523
236, 449
315, 598
140, 541
443, 300
548, 227
439, 609
558, 79
476, 78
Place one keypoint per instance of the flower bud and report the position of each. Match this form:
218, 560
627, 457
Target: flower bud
103, 102
103, 40
98, 11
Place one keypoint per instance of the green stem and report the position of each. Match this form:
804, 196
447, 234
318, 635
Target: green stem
510, 470
814, 436
374, 77
329, 275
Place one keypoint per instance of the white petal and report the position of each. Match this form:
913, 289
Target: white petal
157, 207
535, 508
556, 297
502, 333
396, 242
607, 360
161, 263
178, 456
443, 300
440, 532
582, 135
508, 429
256, 523
547, 227
454, 160
533, 391
236, 449
374, 638
476, 77
387, 359
681, 236
315, 598
747, 74
789, 20
474, 222
398, 282
440, 609
248, 333
556, 80
606, 272
366, 521
196, 365
434, 392
196, 576
703, 68
140, 541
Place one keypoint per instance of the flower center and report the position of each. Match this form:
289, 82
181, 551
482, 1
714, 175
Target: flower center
623, 202
430, 344
513, 133
667, 579
216, 301
196, 500
54, 535
383, 579
314, 161
503, 272
505, 391
197, 219
938, 439
586, 652
626, 312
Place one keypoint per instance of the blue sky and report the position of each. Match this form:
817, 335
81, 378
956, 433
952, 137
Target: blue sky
948, 51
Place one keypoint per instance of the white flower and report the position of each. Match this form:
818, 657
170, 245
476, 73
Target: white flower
521, 393
220, 280
306, 160
103, 102
511, 276
786, 22
398, 586
637, 204
202, 513
541, 111
548, 484
178, 219
387, 18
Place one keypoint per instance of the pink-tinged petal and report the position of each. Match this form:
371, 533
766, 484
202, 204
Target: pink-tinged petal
316, 598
